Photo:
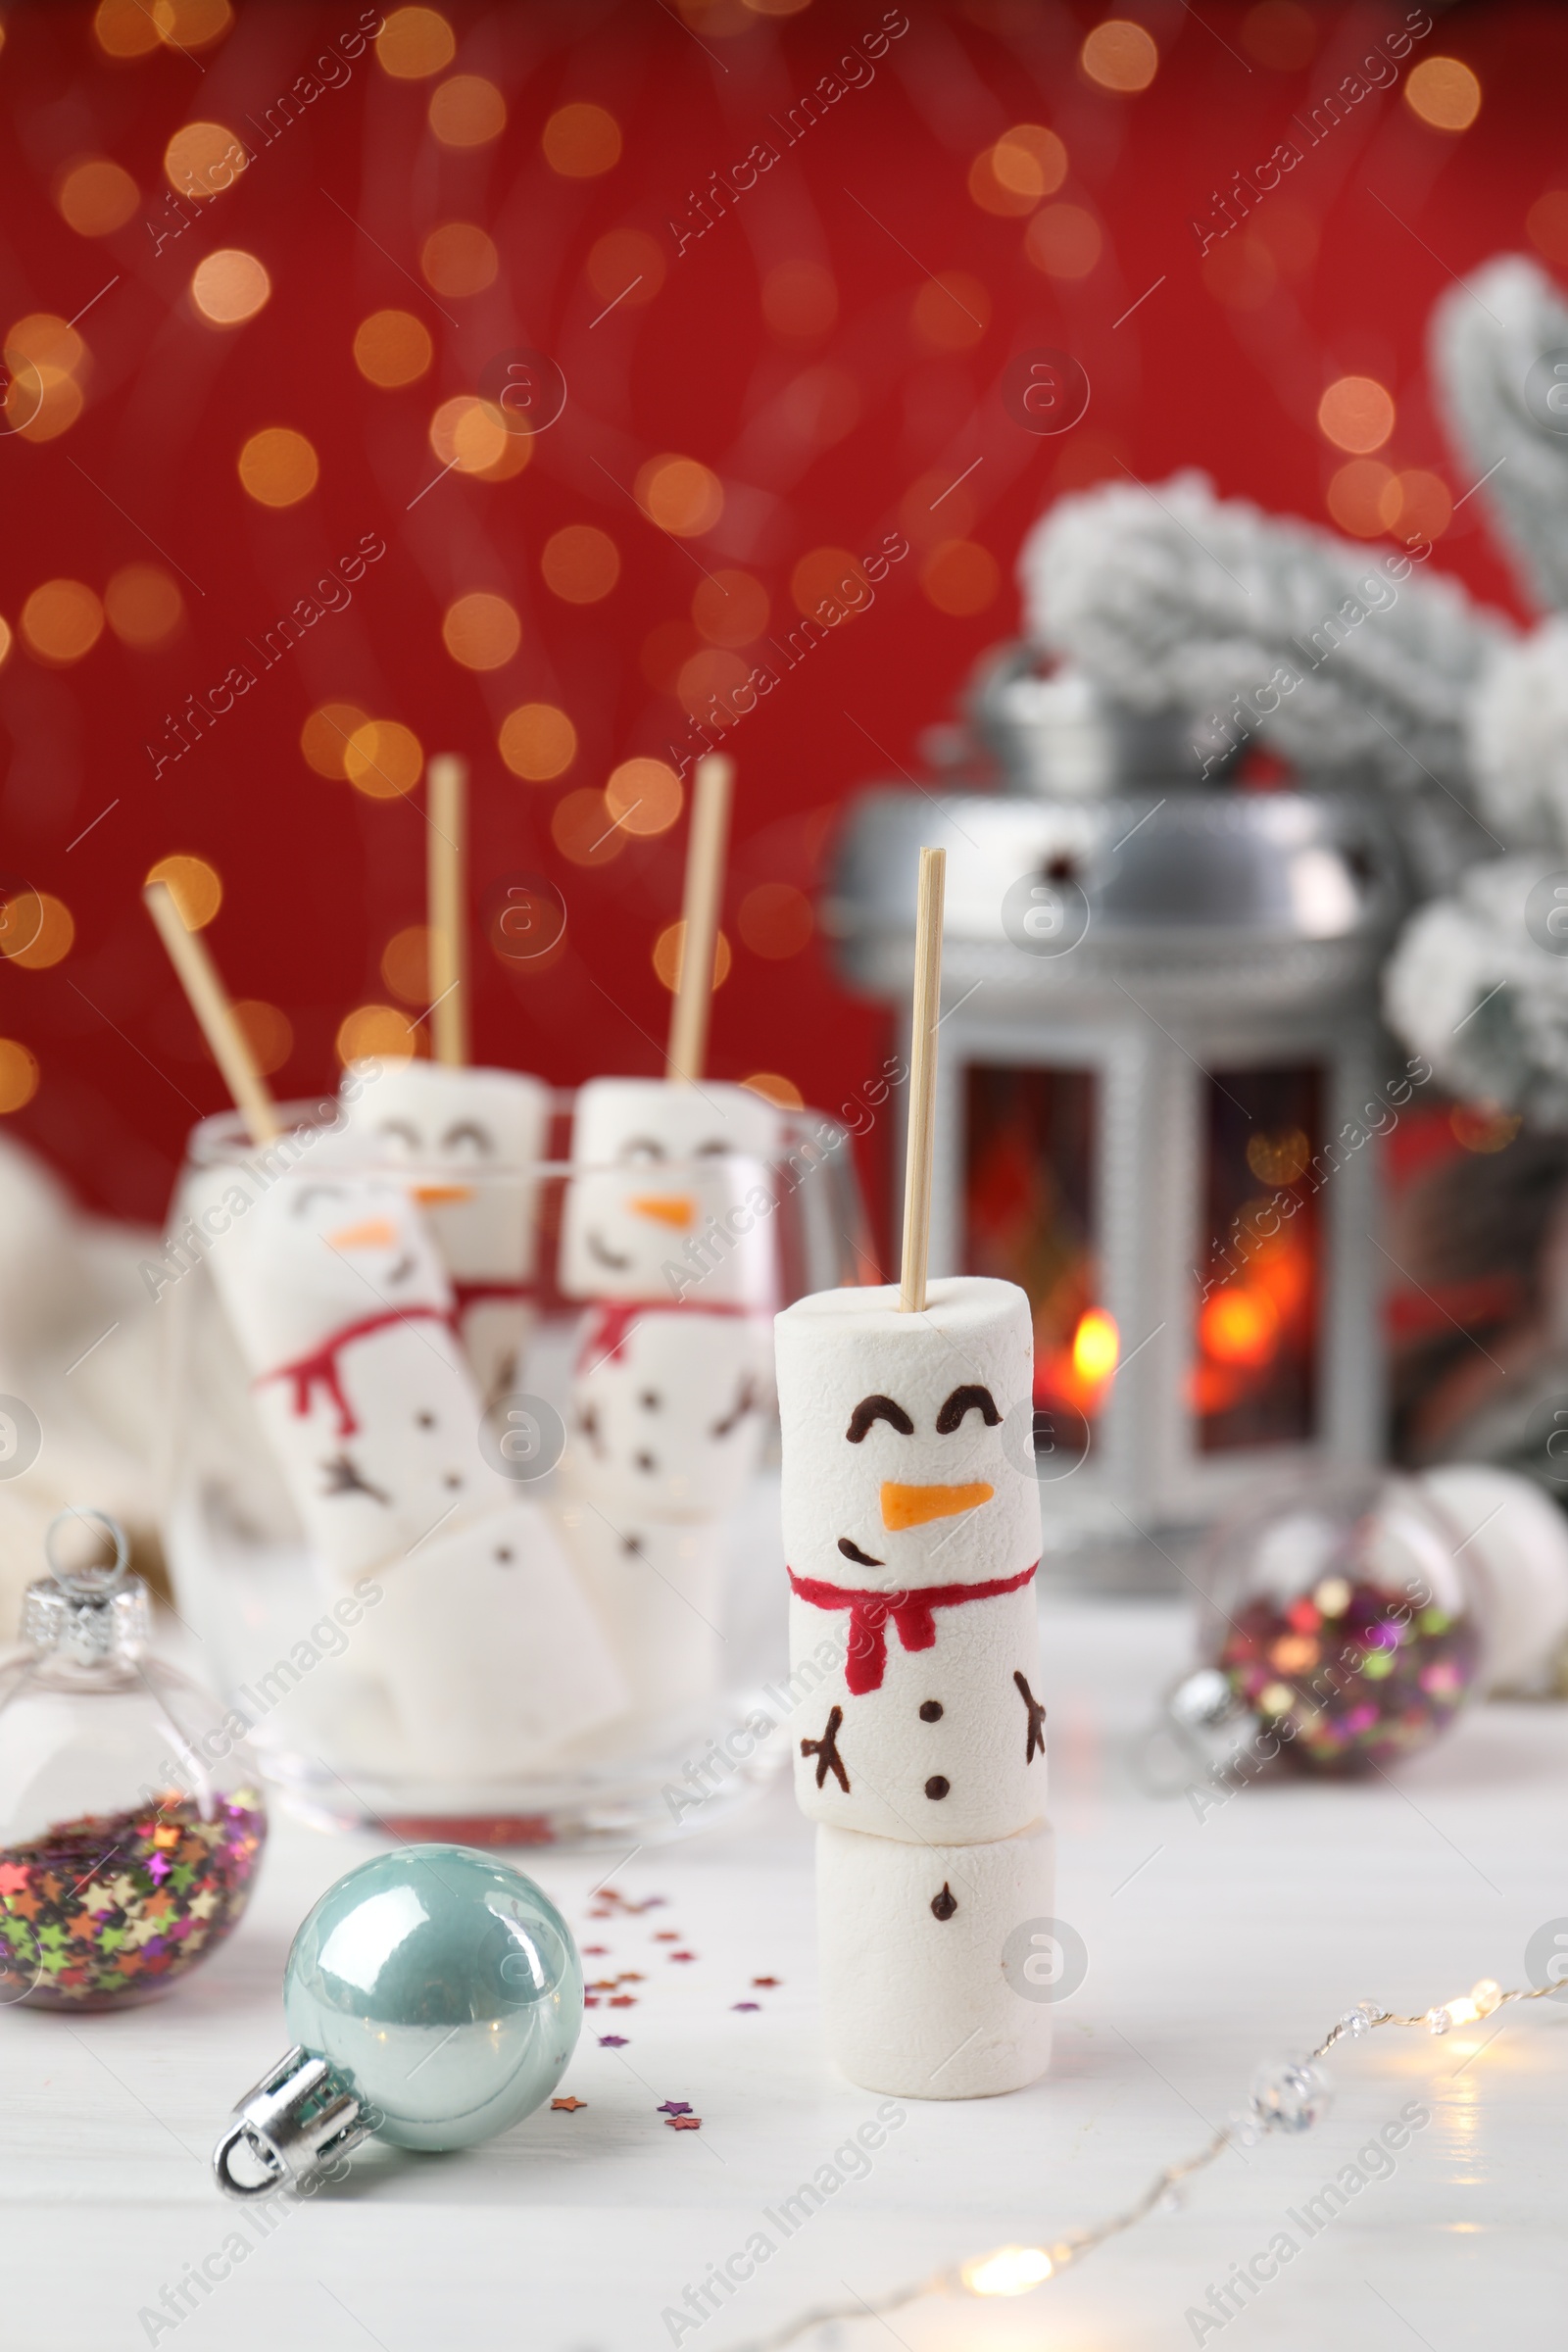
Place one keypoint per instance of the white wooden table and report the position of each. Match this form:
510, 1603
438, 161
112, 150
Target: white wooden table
1213, 1943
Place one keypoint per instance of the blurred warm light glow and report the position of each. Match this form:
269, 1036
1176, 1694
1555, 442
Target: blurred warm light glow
459, 258
1063, 241
392, 348
680, 495
1026, 164
470, 435
775, 920
670, 950
384, 759
644, 796
6, 642
707, 673
1483, 1127
230, 286
62, 620
832, 576
1096, 1346
952, 311
1119, 55
584, 831
48, 402
1356, 414
268, 1029
324, 737
37, 930
1547, 224
414, 42
730, 609
144, 606
773, 1086
377, 1031
202, 159
799, 300
960, 577
19, 1074
97, 197
193, 885
1443, 92
481, 631
1010, 2271
580, 563
406, 964
537, 742
46, 342
278, 466
1279, 34
626, 268
581, 141
1239, 1325
191, 24
1417, 502
1358, 497
468, 111
820, 406
1279, 1158
124, 29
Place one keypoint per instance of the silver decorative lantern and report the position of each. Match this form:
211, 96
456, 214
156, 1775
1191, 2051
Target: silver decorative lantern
1161, 1075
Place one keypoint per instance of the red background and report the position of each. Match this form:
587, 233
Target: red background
316, 877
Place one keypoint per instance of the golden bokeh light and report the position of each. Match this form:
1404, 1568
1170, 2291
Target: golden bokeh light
194, 886
1011, 177
1417, 502
6, 642
459, 258
46, 341
1547, 224
97, 197
584, 831
37, 930
709, 675
669, 952
626, 267
202, 159
773, 1086
406, 964
468, 111
1280, 33
580, 563
950, 312
775, 920
960, 577
581, 141
191, 24
267, 1030
42, 397
680, 495
55, 402
19, 1074
415, 43
644, 796
730, 609
799, 300
384, 759
1063, 241
61, 621
1443, 93
392, 348
470, 435
537, 742
829, 575
124, 29
324, 737
1358, 497
1119, 55
1355, 414
144, 606
376, 1032
278, 466
230, 286
481, 631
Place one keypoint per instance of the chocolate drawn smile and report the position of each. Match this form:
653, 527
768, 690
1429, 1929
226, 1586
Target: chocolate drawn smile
852, 1551
605, 1256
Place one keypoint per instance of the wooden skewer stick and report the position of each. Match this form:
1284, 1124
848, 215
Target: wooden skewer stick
209, 1001
922, 1081
704, 889
446, 879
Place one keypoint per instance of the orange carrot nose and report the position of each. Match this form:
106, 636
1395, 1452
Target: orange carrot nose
913, 1507
373, 1233
436, 1195
667, 1208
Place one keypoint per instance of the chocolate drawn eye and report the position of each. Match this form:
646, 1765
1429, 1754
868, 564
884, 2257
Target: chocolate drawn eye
969, 1398
712, 1151
315, 1192
469, 1131
401, 1131
879, 1408
641, 1147
862, 1560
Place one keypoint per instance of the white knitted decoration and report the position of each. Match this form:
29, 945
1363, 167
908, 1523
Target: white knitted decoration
1487, 333
1471, 990
1517, 731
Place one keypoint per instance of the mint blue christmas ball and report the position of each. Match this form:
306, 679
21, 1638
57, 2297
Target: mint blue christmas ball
443, 1987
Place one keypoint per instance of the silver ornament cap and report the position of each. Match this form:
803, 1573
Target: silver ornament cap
88, 1615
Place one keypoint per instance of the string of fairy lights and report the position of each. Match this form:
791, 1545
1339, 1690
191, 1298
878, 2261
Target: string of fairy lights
1288, 2095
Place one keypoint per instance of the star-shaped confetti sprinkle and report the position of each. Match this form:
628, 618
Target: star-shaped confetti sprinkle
567, 2106
631, 1976
595, 1951
13, 1877
765, 1980
674, 2107
746, 2005
590, 2000
683, 1955
666, 1935
622, 2000
612, 2041
684, 2122
203, 1905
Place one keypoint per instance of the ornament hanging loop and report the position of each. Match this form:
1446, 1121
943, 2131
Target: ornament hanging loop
297, 2120
88, 1580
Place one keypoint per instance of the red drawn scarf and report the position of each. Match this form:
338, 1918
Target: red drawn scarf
611, 1323
911, 1612
480, 1294
319, 1369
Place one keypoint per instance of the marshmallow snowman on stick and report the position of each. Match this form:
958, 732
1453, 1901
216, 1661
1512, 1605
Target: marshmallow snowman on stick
912, 1535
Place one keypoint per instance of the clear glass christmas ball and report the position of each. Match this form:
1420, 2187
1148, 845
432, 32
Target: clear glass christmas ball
443, 1987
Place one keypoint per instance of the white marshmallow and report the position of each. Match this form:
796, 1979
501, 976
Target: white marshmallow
1517, 1540
675, 1199
490, 1650
920, 2003
469, 1140
658, 1587
669, 1407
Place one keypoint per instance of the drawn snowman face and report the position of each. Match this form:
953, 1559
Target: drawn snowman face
325, 1251
675, 1418
661, 1165
466, 1137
